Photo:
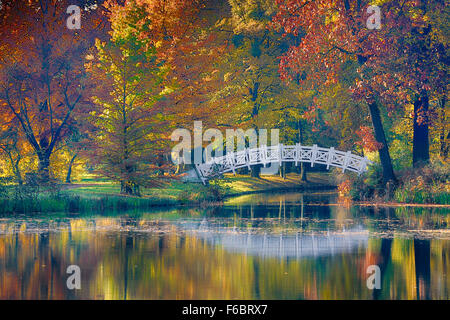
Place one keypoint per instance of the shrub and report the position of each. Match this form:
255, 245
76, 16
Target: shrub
429, 184
210, 193
368, 186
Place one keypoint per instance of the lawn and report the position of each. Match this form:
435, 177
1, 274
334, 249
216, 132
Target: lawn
230, 185
104, 196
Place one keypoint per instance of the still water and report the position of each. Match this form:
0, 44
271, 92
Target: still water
265, 246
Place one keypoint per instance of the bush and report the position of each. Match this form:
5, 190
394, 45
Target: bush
3, 190
210, 193
368, 186
429, 184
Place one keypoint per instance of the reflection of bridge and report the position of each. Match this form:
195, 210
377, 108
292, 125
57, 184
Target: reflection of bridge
297, 245
277, 154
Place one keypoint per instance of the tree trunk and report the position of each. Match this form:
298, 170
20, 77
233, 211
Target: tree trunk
17, 172
255, 171
385, 158
443, 150
283, 170
421, 145
44, 168
15, 165
303, 172
130, 188
300, 140
385, 255
69, 170
125, 188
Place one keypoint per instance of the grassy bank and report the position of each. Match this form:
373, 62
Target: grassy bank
106, 197
429, 184
72, 203
240, 184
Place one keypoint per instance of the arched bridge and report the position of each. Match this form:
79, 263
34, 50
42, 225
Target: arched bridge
265, 155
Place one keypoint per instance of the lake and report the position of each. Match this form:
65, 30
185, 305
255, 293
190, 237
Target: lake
262, 246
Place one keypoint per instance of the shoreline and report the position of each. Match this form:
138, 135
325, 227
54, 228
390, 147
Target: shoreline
91, 197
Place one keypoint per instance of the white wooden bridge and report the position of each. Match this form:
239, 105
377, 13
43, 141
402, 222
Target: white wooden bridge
265, 155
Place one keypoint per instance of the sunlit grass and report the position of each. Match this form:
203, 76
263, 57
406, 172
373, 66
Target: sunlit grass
243, 184
105, 196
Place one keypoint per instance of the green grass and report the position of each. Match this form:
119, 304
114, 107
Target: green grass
67, 202
105, 197
242, 184
404, 195
230, 185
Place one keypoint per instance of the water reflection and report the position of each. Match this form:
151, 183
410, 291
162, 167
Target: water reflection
252, 248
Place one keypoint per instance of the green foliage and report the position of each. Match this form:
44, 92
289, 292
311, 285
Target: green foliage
128, 123
210, 193
73, 203
368, 186
429, 184
3, 190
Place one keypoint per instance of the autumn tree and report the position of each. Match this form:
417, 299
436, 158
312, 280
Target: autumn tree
75, 146
42, 82
250, 88
414, 68
184, 37
186, 40
333, 33
129, 126
12, 149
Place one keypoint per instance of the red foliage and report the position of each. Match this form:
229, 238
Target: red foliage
368, 141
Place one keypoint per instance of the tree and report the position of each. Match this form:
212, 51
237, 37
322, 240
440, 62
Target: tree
417, 62
129, 125
11, 145
333, 33
74, 146
185, 39
250, 87
42, 82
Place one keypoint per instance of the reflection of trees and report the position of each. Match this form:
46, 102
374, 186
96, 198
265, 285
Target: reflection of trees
422, 259
133, 265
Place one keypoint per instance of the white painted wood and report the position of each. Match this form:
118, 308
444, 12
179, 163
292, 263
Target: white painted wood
263, 154
330, 157
281, 153
346, 160
313, 155
297, 153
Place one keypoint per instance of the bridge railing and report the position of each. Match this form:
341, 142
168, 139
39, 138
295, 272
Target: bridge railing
280, 153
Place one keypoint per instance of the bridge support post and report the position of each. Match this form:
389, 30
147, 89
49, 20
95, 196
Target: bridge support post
247, 159
298, 153
362, 166
346, 160
230, 158
263, 154
330, 157
199, 174
313, 154
280, 153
